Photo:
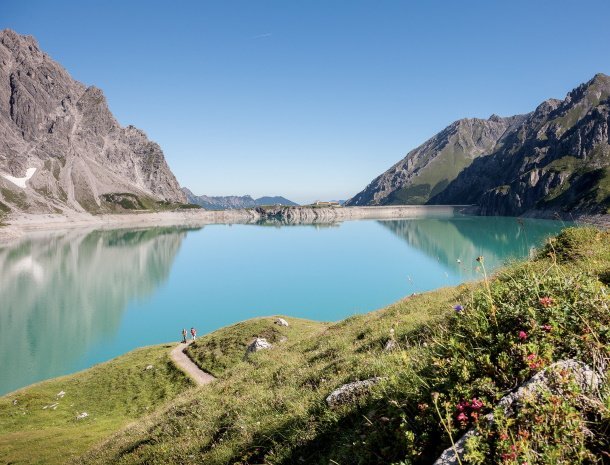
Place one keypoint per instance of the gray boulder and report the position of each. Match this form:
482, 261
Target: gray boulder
281, 322
350, 392
260, 343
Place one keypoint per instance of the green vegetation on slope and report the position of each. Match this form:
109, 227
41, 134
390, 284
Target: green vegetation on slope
270, 407
585, 186
221, 350
127, 202
433, 178
448, 369
38, 426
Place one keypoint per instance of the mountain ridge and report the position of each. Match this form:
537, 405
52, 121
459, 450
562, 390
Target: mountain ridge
63, 137
228, 202
562, 146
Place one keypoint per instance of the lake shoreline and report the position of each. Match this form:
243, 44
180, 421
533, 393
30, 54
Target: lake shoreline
18, 225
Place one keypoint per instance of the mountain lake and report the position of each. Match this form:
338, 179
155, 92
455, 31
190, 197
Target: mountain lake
71, 299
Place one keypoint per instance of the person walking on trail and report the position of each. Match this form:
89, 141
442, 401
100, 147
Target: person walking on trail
184, 335
193, 334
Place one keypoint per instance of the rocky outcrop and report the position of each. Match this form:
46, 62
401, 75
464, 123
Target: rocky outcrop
331, 215
350, 392
281, 322
230, 202
260, 343
555, 159
65, 132
588, 381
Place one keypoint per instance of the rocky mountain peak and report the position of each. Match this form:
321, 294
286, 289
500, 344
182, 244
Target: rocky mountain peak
65, 134
495, 118
556, 157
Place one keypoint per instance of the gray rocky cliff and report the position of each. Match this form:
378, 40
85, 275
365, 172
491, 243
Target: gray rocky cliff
555, 159
62, 149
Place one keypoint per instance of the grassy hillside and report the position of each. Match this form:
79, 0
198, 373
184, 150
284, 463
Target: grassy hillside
39, 426
218, 352
270, 408
457, 352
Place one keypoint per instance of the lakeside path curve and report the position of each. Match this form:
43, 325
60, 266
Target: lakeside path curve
183, 362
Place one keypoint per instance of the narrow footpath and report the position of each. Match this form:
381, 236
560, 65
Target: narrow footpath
186, 364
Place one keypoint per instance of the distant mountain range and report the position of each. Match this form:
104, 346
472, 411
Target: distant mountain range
554, 159
233, 201
60, 147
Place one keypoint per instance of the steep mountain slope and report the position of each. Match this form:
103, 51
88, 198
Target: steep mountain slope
429, 168
62, 149
555, 159
233, 201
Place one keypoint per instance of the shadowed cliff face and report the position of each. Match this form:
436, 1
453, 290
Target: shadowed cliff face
555, 159
62, 295
64, 130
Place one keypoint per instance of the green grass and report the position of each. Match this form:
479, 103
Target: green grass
218, 352
275, 395
114, 394
128, 202
433, 178
270, 407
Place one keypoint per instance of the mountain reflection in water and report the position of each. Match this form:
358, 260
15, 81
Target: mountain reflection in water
70, 300
62, 294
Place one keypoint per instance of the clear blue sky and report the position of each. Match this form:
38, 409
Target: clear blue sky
312, 99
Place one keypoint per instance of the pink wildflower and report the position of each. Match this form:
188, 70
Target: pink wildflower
462, 417
547, 328
476, 404
546, 302
522, 335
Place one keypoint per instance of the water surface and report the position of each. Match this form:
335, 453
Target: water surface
70, 300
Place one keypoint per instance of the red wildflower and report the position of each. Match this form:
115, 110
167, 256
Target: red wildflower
476, 404
546, 302
534, 362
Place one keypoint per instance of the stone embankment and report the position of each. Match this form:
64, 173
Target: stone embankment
17, 224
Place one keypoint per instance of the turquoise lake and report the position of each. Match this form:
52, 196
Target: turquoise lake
73, 299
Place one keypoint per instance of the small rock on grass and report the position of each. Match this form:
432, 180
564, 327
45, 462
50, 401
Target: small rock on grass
390, 345
260, 343
82, 416
350, 392
281, 322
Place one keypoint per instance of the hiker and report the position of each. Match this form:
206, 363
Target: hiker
184, 335
193, 333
